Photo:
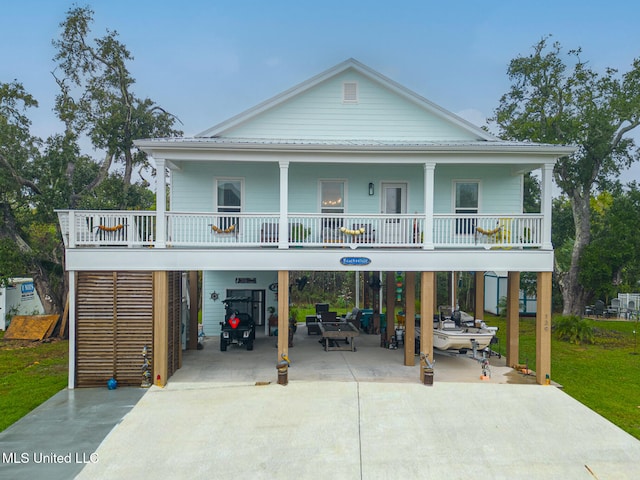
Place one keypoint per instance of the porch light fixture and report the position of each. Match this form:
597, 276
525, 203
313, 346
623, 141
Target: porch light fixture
214, 296
371, 188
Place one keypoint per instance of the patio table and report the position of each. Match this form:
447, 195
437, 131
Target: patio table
333, 331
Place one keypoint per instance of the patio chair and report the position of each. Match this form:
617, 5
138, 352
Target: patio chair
368, 236
312, 325
598, 309
354, 317
631, 309
329, 316
614, 308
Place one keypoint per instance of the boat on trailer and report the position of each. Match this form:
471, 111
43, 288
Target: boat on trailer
449, 336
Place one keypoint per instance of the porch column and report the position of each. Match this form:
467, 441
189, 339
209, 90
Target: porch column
427, 310
160, 327
283, 313
193, 311
479, 301
283, 235
410, 319
72, 328
161, 203
543, 328
545, 207
391, 305
429, 182
513, 318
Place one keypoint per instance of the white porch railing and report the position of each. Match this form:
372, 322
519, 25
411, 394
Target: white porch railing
96, 228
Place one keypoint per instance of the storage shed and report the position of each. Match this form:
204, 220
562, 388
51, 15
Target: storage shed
495, 288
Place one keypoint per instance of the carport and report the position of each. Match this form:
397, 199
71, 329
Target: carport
310, 362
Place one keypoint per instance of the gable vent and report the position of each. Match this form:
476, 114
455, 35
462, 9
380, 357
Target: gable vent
350, 92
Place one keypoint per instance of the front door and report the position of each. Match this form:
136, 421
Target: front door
394, 202
394, 198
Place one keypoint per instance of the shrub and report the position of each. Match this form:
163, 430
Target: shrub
573, 329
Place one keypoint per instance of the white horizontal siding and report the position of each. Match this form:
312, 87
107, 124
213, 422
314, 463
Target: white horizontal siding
379, 114
192, 186
500, 191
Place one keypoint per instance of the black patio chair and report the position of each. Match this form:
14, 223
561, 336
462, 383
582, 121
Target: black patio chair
598, 309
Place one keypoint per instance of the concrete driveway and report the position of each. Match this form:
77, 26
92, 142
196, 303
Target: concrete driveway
352, 415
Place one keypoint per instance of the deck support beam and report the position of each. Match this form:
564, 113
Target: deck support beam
478, 304
193, 310
543, 329
410, 319
71, 300
427, 310
513, 318
160, 327
390, 305
283, 314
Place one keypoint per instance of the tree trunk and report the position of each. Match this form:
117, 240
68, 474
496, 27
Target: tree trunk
573, 295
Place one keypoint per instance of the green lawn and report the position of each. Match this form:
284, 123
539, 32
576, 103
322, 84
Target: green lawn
30, 373
604, 376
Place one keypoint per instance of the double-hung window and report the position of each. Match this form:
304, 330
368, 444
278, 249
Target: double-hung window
229, 200
332, 194
466, 202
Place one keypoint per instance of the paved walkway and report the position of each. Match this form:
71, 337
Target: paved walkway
344, 415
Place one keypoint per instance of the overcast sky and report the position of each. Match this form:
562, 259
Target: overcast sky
207, 60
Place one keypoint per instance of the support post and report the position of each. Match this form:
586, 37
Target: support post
193, 310
283, 321
543, 329
283, 236
161, 203
410, 319
546, 205
72, 329
427, 310
391, 305
160, 328
479, 302
429, 183
513, 318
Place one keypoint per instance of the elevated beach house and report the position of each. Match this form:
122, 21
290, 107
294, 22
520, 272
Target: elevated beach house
347, 171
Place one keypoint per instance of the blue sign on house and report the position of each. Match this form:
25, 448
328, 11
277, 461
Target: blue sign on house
355, 261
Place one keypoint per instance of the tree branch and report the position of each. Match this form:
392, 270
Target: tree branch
21, 180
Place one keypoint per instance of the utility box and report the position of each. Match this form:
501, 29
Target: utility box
19, 297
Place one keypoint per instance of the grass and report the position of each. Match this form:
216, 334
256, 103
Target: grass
30, 373
603, 375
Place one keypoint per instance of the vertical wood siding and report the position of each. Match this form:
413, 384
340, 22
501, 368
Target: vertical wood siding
175, 346
114, 315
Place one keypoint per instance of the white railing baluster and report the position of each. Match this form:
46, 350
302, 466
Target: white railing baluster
230, 229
